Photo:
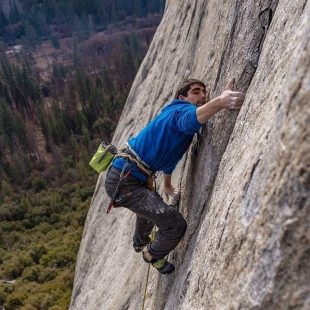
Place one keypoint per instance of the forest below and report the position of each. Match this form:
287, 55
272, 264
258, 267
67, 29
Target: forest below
66, 68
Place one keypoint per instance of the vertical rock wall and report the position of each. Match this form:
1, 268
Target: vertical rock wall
245, 185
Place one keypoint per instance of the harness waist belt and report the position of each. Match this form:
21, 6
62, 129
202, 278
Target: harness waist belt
135, 155
127, 153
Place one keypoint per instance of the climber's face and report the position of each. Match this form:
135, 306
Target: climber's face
195, 95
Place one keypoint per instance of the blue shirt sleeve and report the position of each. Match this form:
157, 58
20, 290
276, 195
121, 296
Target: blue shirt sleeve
185, 120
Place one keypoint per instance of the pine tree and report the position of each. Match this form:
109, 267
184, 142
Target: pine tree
3, 22
6, 124
30, 39
14, 16
50, 10
83, 84
20, 130
6, 188
55, 42
86, 137
44, 124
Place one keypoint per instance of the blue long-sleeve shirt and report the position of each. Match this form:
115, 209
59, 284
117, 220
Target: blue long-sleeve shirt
163, 142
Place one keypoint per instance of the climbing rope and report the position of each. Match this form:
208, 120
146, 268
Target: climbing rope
152, 236
145, 289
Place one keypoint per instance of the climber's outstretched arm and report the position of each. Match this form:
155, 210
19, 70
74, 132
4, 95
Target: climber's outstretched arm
229, 100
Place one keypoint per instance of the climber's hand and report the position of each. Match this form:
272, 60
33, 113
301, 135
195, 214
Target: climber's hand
171, 192
229, 99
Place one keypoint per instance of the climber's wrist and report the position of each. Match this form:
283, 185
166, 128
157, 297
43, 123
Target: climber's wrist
167, 180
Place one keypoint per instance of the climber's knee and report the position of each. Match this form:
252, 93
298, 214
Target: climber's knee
181, 225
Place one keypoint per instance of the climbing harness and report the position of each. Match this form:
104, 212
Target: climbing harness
127, 154
103, 158
133, 157
106, 152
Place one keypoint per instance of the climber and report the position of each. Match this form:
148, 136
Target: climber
159, 147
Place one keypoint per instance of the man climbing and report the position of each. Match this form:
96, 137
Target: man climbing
159, 147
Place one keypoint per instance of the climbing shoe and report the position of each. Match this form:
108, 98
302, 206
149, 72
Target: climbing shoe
162, 265
140, 247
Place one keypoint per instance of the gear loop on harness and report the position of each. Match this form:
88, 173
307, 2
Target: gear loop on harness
130, 156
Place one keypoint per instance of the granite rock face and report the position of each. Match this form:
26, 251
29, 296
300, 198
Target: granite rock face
245, 180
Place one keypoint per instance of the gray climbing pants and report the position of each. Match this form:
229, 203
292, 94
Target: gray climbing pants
150, 210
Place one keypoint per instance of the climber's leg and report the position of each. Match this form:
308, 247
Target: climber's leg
142, 233
149, 205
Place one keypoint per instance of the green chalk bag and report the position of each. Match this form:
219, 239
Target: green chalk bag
103, 157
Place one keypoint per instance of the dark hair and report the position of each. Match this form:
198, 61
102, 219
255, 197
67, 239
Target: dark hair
185, 87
